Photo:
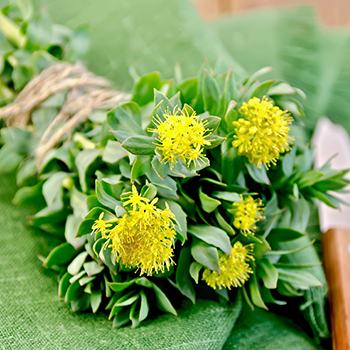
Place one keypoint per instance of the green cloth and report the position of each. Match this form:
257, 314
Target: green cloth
150, 35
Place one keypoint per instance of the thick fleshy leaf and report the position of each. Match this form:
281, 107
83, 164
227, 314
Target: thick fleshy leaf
268, 273
209, 204
182, 276
163, 302
212, 235
83, 161
144, 308
205, 255
140, 145
60, 255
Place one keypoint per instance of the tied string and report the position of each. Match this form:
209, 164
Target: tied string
85, 93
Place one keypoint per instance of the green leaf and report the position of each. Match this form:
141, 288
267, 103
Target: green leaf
262, 247
129, 301
205, 255
143, 89
9, 160
162, 105
60, 255
144, 309
258, 174
75, 266
163, 302
261, 90
255, 292
224, 224
64, 284
211, 93
298, 277
79, 44
182, 276
74, 292
104, 197
140, 166
53, 187
95, 213
284, 288
140, 145
212, 123
310, 178
166, 187
95, 300
119, 119
227, 196
215, 141
209, 204
180, 216
83, 161
188, 89
231, 166
113, 151
212, 235
39, 32
268, 273
286, 252
283, 235
195, 268
121, 318
144, 282
120, 286
93, 268
160, 168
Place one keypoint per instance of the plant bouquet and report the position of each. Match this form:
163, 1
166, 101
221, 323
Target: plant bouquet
186, 189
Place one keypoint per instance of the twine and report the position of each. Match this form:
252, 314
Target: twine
86, 92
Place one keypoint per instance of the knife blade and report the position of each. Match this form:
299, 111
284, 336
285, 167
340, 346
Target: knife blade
329, 140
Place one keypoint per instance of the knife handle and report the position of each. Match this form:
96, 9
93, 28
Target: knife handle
336, 256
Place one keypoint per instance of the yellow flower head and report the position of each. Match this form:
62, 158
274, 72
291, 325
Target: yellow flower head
234, 268
263, 132
101, 226
247, 213
181, 136
144, 237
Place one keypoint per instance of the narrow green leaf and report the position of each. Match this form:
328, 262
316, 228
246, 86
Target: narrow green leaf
182, 276
75, 266
268, 273
283, 235
195, 268
258, 174
95, 300
255, 292
144, 309
209, 204
162, 300
93, 268
83, 161
298, 277
140, 145
60, 255
120, 286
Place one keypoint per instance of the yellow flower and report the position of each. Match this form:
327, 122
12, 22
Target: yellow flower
234, 268
247, 213
181, 136
144, 238
101, 226
263, 132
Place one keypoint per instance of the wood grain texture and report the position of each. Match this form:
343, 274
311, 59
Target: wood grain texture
331, 12
336, 255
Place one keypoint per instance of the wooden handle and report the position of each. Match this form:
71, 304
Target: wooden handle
336, 255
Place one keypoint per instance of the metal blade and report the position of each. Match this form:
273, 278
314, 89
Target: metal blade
330, 139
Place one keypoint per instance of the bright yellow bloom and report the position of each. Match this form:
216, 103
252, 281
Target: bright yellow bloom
101, 226
181, 136
234, 268
144, 237
247, 213
263, 132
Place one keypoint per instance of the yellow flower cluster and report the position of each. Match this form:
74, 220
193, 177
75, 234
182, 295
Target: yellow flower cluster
247, 213
181, 136
144, 237
263, 132
234, 268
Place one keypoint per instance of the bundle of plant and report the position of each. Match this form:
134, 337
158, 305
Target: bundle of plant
185, 190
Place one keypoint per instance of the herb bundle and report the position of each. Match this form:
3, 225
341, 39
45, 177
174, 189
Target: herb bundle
185, 190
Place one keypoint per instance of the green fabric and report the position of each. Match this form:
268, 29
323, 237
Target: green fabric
263, 330
151, 35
